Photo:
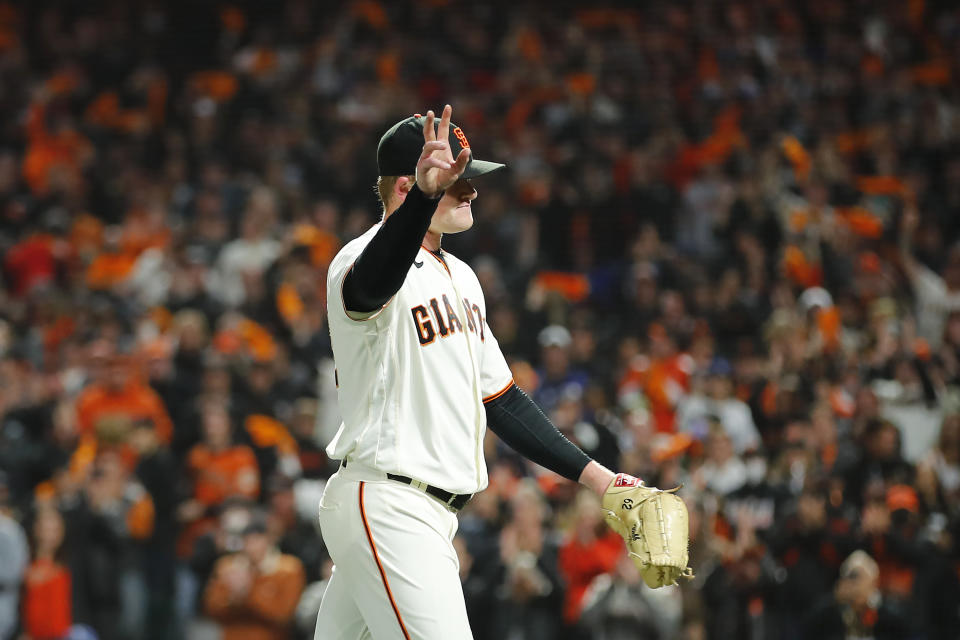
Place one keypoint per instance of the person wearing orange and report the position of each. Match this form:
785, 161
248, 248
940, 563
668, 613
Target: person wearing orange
219, 470
663, 376
119, 392
253, 593
47, 599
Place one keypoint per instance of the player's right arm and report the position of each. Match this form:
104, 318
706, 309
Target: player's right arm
381, 268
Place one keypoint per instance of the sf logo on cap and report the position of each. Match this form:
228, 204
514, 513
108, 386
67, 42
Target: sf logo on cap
462, 137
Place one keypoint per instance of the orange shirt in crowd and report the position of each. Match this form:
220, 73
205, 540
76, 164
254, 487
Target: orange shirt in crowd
663, 382
262, 612
110, 269
580, 563
135, 400
218, 475
46, 601
47, 151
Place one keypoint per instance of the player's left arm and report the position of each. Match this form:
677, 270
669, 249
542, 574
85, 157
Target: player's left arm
525, 428
519, 422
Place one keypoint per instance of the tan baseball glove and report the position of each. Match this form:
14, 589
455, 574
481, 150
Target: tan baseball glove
653, 522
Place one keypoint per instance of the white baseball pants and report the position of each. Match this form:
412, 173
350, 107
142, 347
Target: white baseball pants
396, 573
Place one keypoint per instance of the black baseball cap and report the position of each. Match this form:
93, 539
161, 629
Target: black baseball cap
401, 146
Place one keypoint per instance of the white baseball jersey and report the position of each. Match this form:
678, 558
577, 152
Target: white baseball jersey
413, 376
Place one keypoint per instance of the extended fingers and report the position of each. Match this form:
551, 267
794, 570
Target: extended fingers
429, 133
444, 130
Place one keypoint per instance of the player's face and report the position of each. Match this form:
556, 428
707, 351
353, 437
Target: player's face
454, 213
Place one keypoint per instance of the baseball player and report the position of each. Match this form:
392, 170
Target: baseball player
420, 378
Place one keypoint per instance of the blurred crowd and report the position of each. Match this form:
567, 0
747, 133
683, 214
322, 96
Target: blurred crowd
724, 256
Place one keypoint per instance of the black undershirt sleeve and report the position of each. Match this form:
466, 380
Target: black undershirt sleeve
382, 266
521, 424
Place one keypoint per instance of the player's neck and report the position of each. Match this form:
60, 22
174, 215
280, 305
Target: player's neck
431, 241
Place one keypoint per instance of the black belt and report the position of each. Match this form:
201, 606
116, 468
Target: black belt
455, 501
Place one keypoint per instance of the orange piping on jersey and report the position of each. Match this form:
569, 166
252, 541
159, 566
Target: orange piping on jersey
498, 393
438, 259
383, 575
343, 302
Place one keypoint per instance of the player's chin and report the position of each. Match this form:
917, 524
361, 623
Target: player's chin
461, 219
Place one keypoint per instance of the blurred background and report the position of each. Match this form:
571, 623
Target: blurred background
723, 256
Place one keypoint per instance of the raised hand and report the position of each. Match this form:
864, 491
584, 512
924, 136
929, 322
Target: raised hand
437, 169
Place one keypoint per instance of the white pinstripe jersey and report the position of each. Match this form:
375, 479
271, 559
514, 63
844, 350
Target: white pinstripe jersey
413, 376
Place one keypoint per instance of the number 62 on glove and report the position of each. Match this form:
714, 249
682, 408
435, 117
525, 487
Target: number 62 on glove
654, 524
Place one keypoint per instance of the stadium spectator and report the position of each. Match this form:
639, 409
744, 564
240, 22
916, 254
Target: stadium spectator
808, 546
528, 585
47, 587
118, 392
107, 523
14, 555
588, 551
617, 607
218, 470
723, 471
716, 399
557, 377
254, 592
857, 607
